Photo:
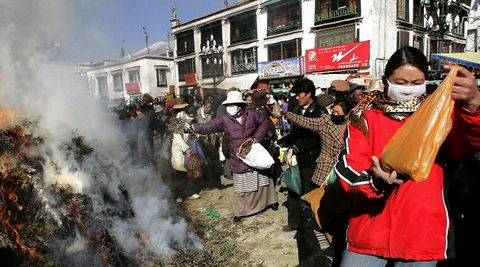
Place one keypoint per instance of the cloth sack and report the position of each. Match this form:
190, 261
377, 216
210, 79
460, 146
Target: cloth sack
413, 148
255, 155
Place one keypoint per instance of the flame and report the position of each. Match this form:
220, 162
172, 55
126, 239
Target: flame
12, 179
7, 117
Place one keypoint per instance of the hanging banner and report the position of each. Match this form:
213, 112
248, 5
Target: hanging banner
133, 88
190, 79
288, 67
345, 56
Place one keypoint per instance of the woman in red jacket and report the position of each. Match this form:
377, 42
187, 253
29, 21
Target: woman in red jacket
395, 219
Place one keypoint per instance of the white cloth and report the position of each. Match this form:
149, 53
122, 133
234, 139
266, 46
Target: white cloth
179, 147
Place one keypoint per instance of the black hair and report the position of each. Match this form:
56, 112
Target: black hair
345, 106
304, 85
407, 55
190, 109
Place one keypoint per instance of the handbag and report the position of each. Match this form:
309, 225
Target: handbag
291, 177
255, 155
195, 161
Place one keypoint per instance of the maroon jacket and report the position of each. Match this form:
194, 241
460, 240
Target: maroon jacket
254, 125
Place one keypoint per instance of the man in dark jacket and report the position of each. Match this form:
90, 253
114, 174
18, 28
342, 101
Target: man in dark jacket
306, 145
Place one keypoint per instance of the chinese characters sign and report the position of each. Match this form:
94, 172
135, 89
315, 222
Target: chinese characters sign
345, 56
288, 67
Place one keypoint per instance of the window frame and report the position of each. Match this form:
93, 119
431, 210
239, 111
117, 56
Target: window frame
117, 87
163, 73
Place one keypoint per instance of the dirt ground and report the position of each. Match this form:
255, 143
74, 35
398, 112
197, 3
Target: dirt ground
260, 238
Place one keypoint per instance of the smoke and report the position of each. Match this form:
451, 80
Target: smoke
36, 84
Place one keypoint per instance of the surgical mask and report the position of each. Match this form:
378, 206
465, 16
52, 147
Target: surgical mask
403, 92
337, 119
232, 110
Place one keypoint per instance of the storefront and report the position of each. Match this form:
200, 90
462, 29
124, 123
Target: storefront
279, 75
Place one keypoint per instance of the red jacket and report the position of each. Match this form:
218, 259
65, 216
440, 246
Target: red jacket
410, 222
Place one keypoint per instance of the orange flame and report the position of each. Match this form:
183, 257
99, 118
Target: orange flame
7, 117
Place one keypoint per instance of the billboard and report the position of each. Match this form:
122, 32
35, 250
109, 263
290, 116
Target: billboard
281, 68
345, 56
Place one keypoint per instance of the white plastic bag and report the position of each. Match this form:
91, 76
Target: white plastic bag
258, 157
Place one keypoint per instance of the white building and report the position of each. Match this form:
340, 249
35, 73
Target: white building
473, 28
131, 76
256, 31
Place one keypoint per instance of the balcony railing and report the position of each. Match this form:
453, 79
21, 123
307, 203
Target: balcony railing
342, 12
245, 67
244, 36
286, 26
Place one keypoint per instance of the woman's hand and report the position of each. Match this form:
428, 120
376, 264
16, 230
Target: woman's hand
465, 88
380, 175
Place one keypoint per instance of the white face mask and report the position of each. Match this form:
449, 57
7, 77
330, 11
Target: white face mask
403, 92
232, 110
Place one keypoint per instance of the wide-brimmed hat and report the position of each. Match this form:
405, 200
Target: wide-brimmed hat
234, 97
180, 103
260, 98
340, 86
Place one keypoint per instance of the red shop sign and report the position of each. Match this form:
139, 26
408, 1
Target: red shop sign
133, 88
345, 56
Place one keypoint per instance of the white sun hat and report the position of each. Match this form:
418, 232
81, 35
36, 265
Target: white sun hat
234, 97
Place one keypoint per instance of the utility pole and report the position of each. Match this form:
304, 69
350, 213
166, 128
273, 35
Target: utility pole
146, 39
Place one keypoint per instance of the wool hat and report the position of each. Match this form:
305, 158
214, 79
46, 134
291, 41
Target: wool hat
180, 103
234, 97
260, 98
325, 100
340, 86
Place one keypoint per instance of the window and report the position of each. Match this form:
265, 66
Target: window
283, 16
161, 77
213, 67
336, 36
214, 29
332, 9
402, 39
133, 76
418, 42
418, 13
285, 50
117, 82
185, 67
459, 25
185, 43
402, 10
102, 86
243, 27
244, 60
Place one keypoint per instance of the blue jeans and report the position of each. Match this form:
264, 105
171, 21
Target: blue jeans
352, 259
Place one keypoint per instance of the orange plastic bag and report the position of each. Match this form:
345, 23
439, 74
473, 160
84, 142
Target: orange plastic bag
413, 148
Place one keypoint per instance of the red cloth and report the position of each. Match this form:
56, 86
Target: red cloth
410, 222
168, 109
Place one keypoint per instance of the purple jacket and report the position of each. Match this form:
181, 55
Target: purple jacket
254, 125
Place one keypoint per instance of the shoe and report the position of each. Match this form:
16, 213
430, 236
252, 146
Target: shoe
194, 196
274, 206
237, 219
288, 228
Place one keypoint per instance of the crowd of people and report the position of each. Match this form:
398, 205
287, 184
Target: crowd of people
349, 211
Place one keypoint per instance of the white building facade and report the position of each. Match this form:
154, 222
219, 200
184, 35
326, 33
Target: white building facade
130, 77
255, 31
